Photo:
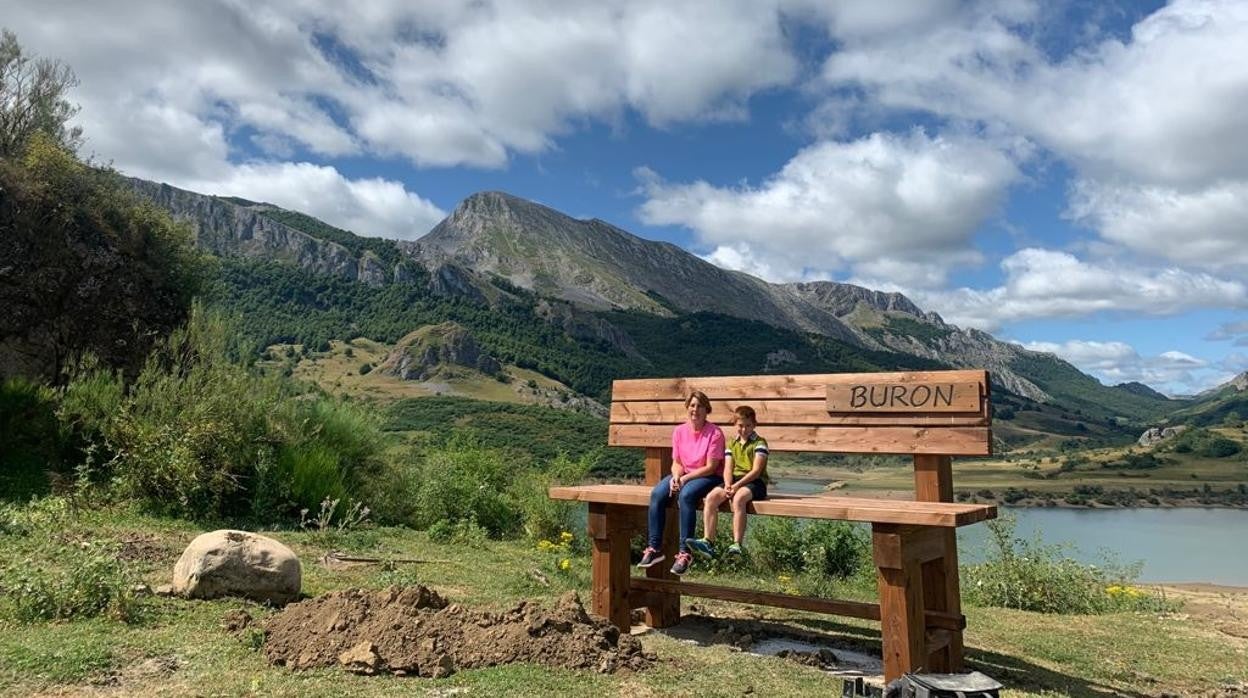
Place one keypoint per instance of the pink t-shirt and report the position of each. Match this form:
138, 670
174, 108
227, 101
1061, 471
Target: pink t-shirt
691, 449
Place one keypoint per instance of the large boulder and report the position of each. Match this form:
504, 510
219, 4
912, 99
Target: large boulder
238, 563
1156, 435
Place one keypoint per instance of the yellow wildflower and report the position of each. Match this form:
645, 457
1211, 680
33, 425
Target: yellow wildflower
544, 544
565, 564
565, 537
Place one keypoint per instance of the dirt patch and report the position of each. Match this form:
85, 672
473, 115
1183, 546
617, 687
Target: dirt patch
413, 631
1221, 607
141, 547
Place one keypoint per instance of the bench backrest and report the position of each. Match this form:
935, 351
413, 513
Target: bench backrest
911, 412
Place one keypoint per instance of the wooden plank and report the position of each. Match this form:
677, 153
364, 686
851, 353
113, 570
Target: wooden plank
908, 396
822, 507
779, 386
639, 495
783, 412
953, 441
852, 609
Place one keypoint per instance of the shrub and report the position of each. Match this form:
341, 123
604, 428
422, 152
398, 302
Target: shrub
31, 439
1217, 447
1030, 575
835, 548
366, 368
200, 434
831, 549
462, 482
545, 518
87, 581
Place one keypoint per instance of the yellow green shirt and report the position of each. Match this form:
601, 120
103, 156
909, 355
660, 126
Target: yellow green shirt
743, 456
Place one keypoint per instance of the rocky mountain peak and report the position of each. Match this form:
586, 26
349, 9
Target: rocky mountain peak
844, 298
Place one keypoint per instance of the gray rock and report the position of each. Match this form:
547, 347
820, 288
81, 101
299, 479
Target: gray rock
1156, 435
238, 563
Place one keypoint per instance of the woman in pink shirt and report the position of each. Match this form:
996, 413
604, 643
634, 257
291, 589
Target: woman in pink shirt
697, 468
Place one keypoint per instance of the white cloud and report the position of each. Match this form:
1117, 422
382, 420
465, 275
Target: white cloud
440, 84
1153, 124
371, 207
1206, 227
1044, 283
882, 201
1173, 372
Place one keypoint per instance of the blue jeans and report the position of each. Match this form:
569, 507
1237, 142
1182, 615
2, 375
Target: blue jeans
688, 500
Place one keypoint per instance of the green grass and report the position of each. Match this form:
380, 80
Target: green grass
1035, 654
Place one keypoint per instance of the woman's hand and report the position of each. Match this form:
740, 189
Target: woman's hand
675, 484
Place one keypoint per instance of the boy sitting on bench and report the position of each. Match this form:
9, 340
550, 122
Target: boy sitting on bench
745, 480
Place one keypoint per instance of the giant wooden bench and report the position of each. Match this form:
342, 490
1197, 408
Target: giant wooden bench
930, 415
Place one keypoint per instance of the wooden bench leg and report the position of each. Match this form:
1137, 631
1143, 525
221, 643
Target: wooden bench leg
611, 529
941, 593
664, 610
933, 482
899, 571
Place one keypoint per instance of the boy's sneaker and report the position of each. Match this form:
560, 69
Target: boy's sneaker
735, 549
683, 562
701, 545
650, 557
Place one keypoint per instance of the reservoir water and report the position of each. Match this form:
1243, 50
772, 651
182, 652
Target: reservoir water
1175, 545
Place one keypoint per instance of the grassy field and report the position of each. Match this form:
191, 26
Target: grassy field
180, 647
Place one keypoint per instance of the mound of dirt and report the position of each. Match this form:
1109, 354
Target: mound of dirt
413, 631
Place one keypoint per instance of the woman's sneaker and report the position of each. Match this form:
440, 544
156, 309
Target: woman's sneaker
650, 557
701, 545
683, 561
735, 549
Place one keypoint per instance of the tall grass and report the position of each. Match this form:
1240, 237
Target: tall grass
1032, 575
200, 434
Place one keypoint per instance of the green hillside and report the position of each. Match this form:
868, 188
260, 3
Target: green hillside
539, 433
1078, 391
279, 304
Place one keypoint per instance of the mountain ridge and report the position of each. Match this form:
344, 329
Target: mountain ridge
494, 242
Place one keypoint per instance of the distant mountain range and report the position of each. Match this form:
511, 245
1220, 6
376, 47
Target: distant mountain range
591, 271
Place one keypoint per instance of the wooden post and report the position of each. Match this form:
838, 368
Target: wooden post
664, 609
899, 573
610, 528
933, 482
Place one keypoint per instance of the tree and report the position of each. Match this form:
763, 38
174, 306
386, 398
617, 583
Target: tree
33, 99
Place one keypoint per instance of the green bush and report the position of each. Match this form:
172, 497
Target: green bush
546, 518
462, 482
832, 549
835, 549
1030, 575
202, 435
86, 581
1217, 447
31, 439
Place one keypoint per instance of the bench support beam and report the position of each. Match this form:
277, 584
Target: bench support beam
611, 530
933, 482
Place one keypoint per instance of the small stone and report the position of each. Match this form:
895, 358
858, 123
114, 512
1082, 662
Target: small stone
164, 590
361, 659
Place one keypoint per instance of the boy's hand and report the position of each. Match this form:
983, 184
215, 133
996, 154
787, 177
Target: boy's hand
730, 490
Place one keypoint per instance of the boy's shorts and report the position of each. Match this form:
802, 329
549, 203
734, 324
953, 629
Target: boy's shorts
759, 488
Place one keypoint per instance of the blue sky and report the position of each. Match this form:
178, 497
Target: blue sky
1069, 175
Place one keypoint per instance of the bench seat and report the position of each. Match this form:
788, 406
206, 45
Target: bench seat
867, 510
